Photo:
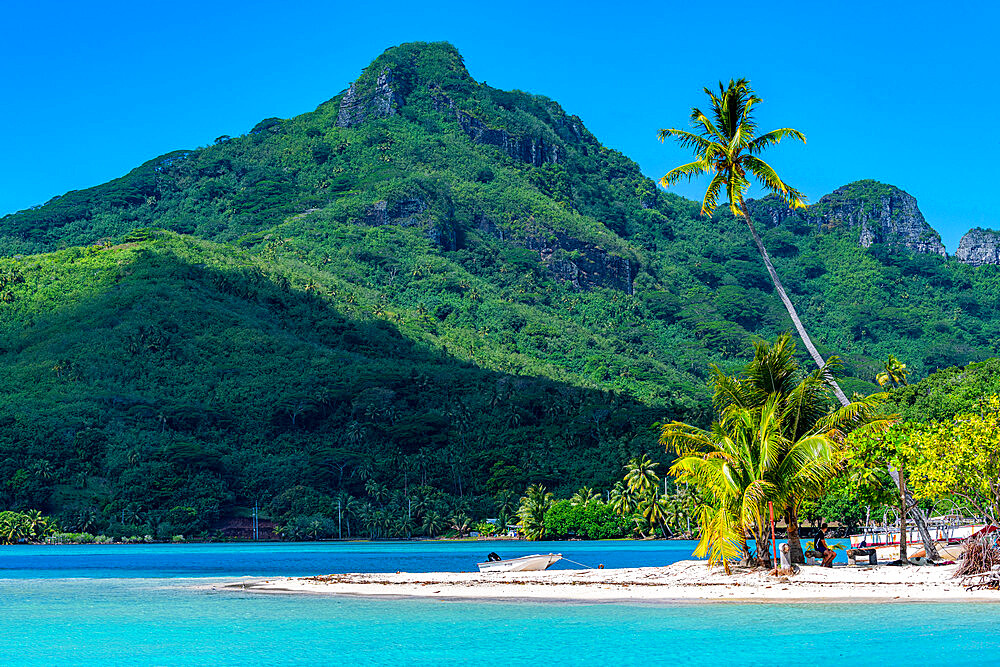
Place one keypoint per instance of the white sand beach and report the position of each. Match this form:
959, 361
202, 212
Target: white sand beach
683, 581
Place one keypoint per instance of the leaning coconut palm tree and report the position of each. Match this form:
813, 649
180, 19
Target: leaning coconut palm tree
727, 147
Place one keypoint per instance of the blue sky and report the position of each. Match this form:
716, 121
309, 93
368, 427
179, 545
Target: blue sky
892, 91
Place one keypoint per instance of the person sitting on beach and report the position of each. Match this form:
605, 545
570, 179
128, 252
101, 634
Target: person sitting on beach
821, 546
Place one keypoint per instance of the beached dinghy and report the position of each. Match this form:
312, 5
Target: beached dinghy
531, 563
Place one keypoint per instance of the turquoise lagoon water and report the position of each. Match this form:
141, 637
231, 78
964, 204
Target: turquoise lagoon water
264, 559
156, 605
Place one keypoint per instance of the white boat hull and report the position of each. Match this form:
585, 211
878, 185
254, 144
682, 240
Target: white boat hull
532, 563
948, 539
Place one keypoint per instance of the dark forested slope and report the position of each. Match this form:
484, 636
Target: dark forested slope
168, 381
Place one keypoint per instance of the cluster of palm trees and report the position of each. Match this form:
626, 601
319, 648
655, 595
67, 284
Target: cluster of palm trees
390, 513
727, 148
775, 443
30, 526
637, 497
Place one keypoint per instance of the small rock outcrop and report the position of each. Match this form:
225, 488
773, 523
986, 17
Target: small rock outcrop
526, 149
979, 247
772, 211
884, 214
588, 266
405, 212
413, 212
358, 105
583, 265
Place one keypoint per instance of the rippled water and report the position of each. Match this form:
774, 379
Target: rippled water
156, 605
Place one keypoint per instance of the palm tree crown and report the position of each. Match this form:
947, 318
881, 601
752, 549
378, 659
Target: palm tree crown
727, 146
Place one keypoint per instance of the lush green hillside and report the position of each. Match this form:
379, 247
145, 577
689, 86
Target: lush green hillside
169, 381
424, 281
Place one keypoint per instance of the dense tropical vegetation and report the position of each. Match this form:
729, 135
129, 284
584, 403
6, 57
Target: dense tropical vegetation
390, 327
637, 506
30, 526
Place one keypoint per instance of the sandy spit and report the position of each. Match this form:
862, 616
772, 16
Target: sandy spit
679, 582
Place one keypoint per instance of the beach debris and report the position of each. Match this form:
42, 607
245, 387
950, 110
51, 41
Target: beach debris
979, 565
982, 554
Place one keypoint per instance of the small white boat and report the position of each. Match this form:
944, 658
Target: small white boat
532, 563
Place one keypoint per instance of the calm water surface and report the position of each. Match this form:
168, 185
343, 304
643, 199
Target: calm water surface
264, 559
155, 605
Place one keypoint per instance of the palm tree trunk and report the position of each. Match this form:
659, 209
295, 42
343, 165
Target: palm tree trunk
907, 501
795, 553
918, 515
902, 519
746, 560
780, 289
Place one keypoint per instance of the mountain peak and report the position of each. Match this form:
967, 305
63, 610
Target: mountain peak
979, 246
884, 213
387, 82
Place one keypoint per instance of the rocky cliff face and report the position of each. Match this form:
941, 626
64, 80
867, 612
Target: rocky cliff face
359, 105
389, 84
979, 247
533, 151
412, 212
583, 265
883, 214
405, 212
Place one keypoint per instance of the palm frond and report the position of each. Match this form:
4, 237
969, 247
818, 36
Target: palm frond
701, 122
683, 438
689, 170
711, 200
769, 179
690, 140
773, 138
730, 390
720, 539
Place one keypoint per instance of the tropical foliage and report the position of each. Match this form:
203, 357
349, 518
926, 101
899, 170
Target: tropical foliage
384, 328
774, 444
957, 458
30, 526
594, 521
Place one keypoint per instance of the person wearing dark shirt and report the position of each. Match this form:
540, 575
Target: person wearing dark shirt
821, 546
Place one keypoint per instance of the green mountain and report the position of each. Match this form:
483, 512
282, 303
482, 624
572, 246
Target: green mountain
426, 288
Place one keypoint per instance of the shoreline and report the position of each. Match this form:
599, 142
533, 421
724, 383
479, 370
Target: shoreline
679, 583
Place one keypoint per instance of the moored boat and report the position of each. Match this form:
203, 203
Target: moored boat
948, 531
532, 563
